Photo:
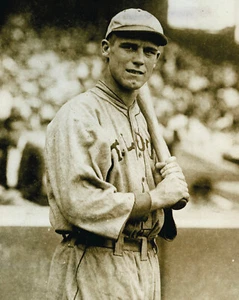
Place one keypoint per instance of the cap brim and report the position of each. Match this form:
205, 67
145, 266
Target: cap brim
142, 32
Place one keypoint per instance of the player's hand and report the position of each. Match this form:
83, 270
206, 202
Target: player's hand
172, 188
170, 166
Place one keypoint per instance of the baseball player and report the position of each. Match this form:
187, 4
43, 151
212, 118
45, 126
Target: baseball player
102, 175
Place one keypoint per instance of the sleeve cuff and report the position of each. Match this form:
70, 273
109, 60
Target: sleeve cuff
142, 207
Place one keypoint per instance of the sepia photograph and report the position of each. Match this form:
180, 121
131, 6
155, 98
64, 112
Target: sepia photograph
119, 150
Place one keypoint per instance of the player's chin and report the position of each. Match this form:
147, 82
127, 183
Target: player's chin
135, 85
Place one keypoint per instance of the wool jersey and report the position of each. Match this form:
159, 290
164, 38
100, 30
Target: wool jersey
99, 159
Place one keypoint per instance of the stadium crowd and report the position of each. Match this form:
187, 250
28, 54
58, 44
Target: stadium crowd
41, 69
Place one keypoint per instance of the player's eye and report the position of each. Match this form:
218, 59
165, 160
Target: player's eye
150, 51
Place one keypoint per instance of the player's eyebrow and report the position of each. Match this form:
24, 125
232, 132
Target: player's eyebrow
129, 44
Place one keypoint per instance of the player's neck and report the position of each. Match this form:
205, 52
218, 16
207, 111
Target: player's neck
127, 96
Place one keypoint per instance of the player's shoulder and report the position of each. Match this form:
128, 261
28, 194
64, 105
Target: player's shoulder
82, 101
77, 108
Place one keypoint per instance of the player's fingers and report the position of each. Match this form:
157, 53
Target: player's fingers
160, 165
177, 175
170, 169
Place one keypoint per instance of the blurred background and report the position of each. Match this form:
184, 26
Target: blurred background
50, 52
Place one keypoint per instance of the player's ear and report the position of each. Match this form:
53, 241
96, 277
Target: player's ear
158, 54
157, 58
105, 48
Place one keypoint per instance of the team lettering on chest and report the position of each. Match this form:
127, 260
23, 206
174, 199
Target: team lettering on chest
123, 145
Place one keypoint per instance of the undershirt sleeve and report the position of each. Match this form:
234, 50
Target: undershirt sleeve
142, 207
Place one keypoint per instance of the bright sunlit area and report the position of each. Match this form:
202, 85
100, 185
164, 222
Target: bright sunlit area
210, 15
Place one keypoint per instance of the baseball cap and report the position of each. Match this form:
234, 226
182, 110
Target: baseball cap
137, 20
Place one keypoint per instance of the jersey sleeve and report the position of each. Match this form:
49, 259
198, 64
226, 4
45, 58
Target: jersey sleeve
78, 159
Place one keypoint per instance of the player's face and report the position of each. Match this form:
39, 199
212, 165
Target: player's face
131, 61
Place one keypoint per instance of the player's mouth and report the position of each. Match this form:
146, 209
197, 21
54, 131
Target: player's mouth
135, 72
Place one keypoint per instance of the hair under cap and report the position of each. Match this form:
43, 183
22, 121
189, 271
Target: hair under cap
137, 20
